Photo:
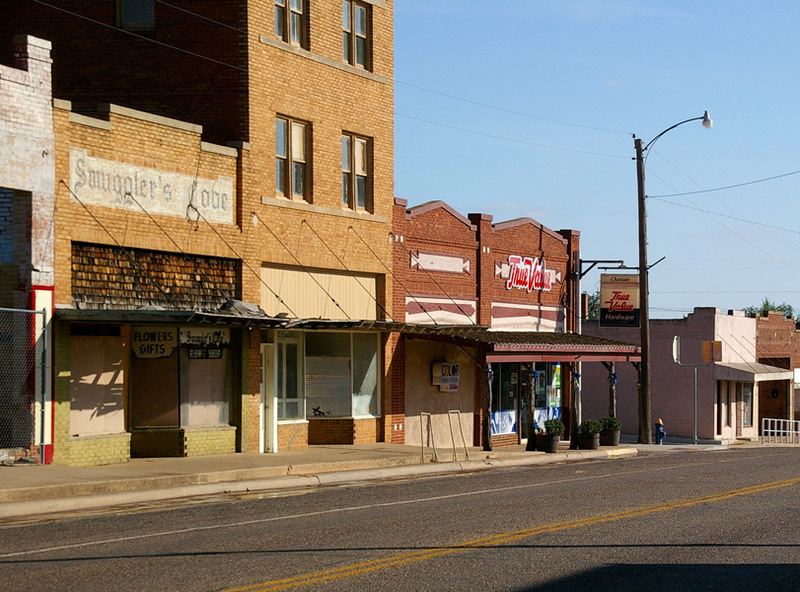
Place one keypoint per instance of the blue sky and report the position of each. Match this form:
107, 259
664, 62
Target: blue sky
527, 108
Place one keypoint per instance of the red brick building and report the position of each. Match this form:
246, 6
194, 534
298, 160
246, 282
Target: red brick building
498, 302
778, 344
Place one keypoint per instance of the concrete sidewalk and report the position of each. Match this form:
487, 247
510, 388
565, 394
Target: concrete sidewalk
33, 489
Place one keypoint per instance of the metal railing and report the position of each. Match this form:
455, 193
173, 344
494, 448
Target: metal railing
457, 413
780, 431
429, 431
23, 358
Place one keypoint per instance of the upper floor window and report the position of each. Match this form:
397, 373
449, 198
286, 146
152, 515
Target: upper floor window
291, 162
290, 21
355, 33
356, 190
138, 15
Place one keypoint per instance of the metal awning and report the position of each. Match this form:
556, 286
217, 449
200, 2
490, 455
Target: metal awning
750, 372
530, 346
500, 346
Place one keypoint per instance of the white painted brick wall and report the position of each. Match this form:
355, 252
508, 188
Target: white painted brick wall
27, 155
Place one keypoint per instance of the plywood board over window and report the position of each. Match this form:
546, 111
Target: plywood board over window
96, 385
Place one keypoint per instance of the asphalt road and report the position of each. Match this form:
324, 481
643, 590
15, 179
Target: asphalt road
727, 520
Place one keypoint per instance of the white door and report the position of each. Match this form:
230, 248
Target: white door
269, 416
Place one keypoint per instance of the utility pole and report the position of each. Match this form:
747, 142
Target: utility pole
645, 429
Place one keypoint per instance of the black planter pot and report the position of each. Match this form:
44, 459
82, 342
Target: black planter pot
609, 438
588, 441
547, 442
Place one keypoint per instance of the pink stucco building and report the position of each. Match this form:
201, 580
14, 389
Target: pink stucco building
733, 393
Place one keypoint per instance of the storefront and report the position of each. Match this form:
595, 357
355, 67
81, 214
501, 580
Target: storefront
322, 385
150, 383
514, 384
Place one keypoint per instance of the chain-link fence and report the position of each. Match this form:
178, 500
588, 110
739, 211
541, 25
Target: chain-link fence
21, 384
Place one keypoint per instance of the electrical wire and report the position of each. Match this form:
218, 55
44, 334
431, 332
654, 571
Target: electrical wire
352, 274
394, 277
200, 216
142, 37
438, 285
507, 139
727, 187
505, 110
311, 275
177, 246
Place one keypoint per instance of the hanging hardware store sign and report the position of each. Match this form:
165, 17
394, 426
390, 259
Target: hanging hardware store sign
100, 182
619, 300
445, 375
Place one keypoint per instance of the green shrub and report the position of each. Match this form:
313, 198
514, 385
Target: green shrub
590, 426
554, 426
611, 424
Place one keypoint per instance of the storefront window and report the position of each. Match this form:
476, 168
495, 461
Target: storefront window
365, 374
290, 383
96, 382
341, 374
504, 398
747, 405
511, 383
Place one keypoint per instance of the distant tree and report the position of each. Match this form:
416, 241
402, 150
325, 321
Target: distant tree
593, 309
768, 305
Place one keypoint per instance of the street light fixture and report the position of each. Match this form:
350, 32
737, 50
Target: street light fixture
645, 429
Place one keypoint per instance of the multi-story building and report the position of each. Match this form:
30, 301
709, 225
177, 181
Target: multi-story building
216, 231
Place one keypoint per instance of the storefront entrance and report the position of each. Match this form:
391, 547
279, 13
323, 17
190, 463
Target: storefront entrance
513, 385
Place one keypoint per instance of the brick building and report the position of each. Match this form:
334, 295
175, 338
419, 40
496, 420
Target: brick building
491, 308
220, 195
778, 344
27, 169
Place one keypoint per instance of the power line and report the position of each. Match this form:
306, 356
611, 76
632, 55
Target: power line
511, 111
712, 213
725, 188
192, 207
342, 263
507, 139
308, 271
142, 37
127, 252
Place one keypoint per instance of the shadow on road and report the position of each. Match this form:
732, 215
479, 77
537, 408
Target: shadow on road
655, 577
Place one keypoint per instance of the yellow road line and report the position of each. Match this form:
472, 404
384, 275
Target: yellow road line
499, 539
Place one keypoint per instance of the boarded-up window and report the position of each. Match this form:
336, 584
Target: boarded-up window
205, 386
184, 381
96, 385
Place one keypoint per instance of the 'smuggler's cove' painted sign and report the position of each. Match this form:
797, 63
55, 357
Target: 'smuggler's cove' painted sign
96, 181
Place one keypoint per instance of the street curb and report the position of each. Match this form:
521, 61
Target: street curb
124, 492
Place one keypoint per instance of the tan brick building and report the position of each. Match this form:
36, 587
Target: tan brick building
206, 158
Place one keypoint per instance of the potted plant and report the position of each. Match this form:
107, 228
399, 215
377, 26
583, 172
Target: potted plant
589, 434
609, 435
548, 441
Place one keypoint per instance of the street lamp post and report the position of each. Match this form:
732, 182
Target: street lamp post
645, 429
